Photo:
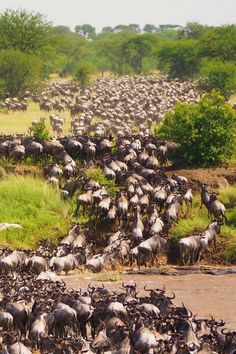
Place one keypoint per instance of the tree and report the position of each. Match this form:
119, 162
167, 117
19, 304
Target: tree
134, 28
107, 29
71, 49
179, 58
205, 131
110, 49
23, 30
148, 28
217, 74
86, 30
120, 28
219, 42
61, 30
83, 72
135, 49
18, 72
193, 30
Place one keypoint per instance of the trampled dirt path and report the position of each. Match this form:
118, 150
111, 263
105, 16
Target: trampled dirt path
203, 294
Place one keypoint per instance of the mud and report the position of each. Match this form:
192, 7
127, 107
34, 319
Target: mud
204, 294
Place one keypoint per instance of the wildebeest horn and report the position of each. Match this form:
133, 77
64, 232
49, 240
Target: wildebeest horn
145, 288
173, 297
191, 314
220, 324
223, 332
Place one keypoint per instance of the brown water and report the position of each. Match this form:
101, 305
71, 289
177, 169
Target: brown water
203, 294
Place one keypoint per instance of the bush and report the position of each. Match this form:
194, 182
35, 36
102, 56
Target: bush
18, 72
205, 131
217, 74
83, 73
40, 131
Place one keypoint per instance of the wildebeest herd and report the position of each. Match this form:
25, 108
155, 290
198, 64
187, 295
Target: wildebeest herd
132, 215
43, 315
110, 128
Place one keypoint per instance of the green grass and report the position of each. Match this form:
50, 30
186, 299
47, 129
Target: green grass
195, 221
228, 196
37, 207
19, 122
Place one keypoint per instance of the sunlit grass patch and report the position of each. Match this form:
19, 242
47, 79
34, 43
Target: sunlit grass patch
37, 207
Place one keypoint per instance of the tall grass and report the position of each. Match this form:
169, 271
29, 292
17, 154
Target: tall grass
37, 207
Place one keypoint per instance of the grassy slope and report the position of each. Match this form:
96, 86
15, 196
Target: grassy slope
19, 122
196, 220
36, 206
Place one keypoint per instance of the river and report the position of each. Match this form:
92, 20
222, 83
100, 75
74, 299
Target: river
203, 294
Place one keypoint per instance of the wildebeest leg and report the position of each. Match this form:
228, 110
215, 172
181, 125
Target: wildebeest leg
225, 218
76, 210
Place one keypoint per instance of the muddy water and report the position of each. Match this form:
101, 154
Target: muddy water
204, 294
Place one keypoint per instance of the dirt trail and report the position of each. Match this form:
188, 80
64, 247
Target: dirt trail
204, 294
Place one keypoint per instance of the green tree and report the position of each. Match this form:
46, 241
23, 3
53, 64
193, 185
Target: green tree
205, 131
110, 49
83, 73
120, 28
18, 72
134, 28
148, 28
219, 42
23, 30
86, 30
216, 74
135, 50
179, 58
193, 30
61, 30
107, 29
70, 49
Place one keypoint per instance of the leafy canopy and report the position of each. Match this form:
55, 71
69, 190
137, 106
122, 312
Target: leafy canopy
179, 58
18, 72
206, 131
23, 30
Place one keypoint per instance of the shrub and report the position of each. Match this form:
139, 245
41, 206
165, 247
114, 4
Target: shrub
205, 131
40, 131
82, 73
217, 74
